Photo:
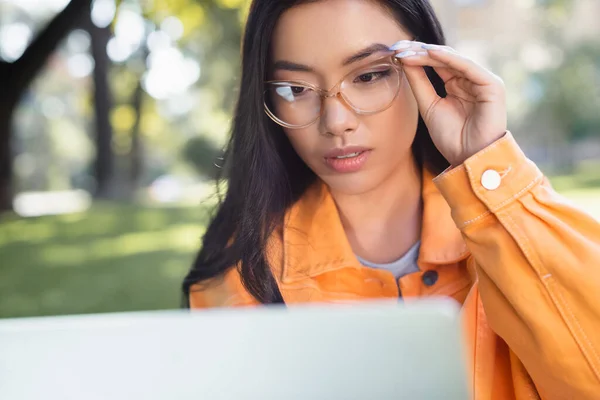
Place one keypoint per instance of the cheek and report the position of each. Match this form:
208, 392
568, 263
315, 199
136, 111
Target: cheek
304, 141
398, 124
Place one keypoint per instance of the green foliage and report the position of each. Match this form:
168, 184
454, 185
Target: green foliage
572, 92
204, 156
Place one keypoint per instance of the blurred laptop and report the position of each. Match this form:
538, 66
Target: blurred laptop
375, 350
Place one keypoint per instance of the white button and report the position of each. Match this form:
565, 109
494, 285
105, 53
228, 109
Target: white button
491, 179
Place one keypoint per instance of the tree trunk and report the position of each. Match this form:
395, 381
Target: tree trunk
104, 166
35, 56
137, 156
137, 149
6, 187
15, 78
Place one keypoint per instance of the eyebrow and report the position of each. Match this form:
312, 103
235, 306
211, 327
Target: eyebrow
366, 52
360, 55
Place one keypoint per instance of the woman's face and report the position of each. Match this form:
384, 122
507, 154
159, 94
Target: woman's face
322, 36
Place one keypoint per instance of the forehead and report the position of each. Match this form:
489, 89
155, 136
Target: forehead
323, 33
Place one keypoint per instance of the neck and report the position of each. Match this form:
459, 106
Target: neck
385, 222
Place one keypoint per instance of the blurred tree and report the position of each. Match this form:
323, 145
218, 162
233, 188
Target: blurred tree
210, 34
569, 90
204, 155
16, 77
106, 186
142, 111
572, 92
136, 154
570, 98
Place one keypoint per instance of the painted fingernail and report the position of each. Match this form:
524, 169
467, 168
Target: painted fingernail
405, 54
403, 44
429, 47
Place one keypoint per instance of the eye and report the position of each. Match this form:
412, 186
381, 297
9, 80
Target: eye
298, 89
367, 77
372, 76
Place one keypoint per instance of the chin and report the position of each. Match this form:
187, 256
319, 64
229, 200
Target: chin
351, 184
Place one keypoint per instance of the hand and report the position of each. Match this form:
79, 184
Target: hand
472, 116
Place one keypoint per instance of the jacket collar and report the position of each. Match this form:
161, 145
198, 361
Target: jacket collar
314, 241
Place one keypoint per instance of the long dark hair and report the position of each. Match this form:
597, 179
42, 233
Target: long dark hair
264, 174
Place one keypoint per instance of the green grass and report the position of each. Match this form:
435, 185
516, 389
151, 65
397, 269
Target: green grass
582, 187
112, 258
586, 175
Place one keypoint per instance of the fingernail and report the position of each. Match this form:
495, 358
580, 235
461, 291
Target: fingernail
429, 46
403, 44
405, 54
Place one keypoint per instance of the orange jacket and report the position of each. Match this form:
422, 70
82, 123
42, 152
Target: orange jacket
524, 264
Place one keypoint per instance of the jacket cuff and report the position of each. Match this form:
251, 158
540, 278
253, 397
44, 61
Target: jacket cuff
488, 181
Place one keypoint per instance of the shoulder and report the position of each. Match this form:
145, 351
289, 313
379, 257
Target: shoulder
223, 291
227, 290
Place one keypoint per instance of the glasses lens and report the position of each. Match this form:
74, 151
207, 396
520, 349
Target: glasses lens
372, 89
294, 105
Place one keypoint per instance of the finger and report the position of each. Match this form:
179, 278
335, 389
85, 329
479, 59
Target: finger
423, 59
470, 69
402, 45
414, 45
461, 88
437, 56
464, 85
453, 79
447, 74
422, 89
418, 58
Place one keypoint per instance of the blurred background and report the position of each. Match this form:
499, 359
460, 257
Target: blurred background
113, 114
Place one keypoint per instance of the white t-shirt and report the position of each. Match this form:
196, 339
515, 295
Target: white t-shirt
403, 266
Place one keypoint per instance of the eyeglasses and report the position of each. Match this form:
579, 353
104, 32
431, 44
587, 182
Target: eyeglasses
367, 90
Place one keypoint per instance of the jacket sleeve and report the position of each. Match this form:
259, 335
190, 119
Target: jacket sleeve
538, 266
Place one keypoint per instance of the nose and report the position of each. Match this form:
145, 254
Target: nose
338, 118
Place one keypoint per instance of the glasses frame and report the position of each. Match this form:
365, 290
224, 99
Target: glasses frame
335, 91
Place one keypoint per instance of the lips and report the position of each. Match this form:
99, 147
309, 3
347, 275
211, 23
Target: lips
344, 152
347, 159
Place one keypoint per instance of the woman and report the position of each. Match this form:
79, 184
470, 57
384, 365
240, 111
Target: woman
400, 180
